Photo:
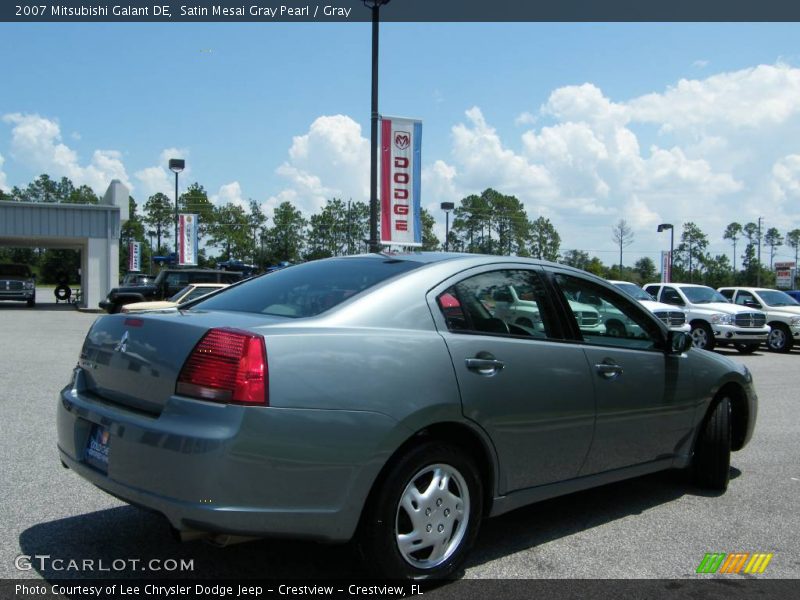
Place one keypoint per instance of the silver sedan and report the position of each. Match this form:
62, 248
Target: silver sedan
384, 397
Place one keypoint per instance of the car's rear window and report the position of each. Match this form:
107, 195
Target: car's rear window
14, 271
308, 289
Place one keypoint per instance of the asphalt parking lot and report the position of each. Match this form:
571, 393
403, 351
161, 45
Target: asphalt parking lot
652, 527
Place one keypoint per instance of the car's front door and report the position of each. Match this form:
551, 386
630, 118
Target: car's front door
528, 389
644, 395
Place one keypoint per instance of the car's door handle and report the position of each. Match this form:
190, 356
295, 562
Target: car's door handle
609, 370
485, 366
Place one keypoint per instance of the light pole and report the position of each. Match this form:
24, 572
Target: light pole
447, 207
375, 6
661, 228
176, 165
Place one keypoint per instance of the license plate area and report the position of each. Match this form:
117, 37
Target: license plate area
97, 448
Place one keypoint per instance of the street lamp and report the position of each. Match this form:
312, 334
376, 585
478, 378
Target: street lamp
176, 165
663, 227
375, 6
447, 207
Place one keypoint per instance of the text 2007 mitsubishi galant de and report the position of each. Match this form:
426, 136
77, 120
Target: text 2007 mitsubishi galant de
381, 398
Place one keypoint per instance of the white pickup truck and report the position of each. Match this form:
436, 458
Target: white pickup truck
672, 317
713, 319
783, 313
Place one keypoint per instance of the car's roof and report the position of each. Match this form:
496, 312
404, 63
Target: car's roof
749, 289
208, 285
680, 284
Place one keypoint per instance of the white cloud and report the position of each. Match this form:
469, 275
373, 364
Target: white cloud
525, 118
159, 178
37, 141
700, 64
330, 160
3, 181
230, 193
786, 178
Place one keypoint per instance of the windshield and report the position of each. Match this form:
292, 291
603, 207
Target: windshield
180, 294
703, 295
634, 290
309, 289
777, 298
14, 271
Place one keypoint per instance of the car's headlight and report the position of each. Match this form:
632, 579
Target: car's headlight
795, 321
721, 319
28, 285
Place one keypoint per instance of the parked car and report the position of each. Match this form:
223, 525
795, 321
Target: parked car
380, 398
17, 283
794, 294
713, 319
672, 317
783, 313
133, 279
517, 305
166, 284
191, 292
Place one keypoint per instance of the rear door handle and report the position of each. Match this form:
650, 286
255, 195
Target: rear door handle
608, 370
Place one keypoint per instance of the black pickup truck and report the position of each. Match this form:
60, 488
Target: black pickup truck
167, 283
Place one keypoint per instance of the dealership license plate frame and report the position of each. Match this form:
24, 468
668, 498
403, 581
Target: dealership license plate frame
97, 449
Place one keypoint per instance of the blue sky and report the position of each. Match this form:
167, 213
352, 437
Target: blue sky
586, 123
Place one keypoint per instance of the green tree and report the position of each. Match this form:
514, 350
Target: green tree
286, 237
645, 268
159, 217
43, 189
230, 230
132, 231
733, 232
773, 239
81, 195
544, 239
429, 239
793, 241
576, 258
257, 221
597, 267
195, 201
691, 252
718, 271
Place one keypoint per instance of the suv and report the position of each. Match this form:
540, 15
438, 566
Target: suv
167, 283
17, 283
714, 320
669, 315
783, 313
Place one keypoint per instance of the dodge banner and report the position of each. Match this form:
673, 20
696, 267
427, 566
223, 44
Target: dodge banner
187, 234
401, 143
134, 256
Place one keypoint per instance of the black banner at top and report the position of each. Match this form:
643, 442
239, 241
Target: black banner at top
288, 11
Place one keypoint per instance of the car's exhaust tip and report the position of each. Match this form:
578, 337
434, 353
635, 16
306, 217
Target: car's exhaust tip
220, 540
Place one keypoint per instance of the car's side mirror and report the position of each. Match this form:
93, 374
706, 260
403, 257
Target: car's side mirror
678, 342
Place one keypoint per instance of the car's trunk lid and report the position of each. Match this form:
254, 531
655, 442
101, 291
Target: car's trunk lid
134, 360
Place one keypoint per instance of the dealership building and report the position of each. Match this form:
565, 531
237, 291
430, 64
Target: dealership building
94, 229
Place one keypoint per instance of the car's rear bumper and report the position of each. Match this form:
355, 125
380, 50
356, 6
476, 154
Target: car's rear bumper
233, 469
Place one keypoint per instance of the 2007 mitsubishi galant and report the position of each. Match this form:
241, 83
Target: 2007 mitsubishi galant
382, 397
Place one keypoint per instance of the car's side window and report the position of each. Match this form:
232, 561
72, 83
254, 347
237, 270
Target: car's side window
507, 302
671, 296
727, 293
607, 318
744, 297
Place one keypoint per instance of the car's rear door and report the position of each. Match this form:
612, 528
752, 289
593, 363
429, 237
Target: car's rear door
644, 395
528, 389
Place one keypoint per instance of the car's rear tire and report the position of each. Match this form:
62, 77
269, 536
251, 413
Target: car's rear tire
780, 338
424, 515
702, 336
616, 329
746, 348
712, 453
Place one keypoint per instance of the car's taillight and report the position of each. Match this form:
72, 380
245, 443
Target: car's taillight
227, 365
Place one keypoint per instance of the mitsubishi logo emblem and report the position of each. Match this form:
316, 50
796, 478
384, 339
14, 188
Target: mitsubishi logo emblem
123, 344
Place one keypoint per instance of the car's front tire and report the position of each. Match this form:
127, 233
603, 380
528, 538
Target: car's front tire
712, 452
702, 336
31, 303
423, 518
780, 338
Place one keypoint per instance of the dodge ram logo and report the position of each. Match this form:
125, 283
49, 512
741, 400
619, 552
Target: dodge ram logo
402, 140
